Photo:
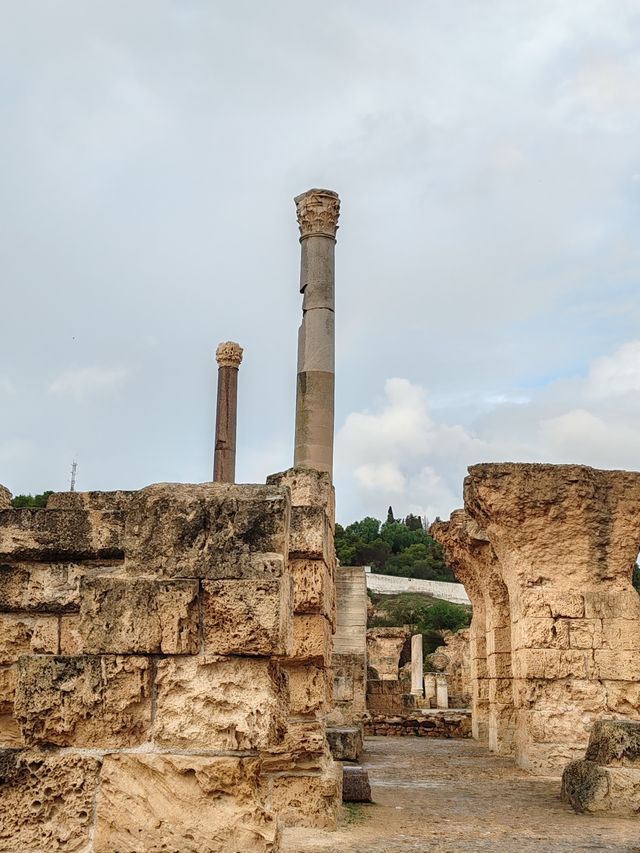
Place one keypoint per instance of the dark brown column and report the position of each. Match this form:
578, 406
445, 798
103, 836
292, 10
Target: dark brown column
228, 356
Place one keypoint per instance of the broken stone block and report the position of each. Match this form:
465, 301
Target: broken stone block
311, 639
308, 800
615, 742
308, 488
312, 587
309, 689
304, 748
310, 535
186, 803
23, 635
40, 587
47, 801
123, 615
345, 742
84, 701
247, 617
60, 534
588, 787
214, 530
220, 703
355, 784
71, 642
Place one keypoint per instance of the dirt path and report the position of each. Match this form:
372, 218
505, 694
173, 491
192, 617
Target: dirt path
454, 795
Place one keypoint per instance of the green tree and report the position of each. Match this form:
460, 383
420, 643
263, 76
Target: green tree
390, 518
22, 501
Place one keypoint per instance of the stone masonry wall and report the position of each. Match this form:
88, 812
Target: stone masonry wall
146, 640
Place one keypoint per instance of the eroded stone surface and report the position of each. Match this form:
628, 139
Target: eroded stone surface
212, 530
84, 701
308, 800
311, 534
133, 615
304, 748
185, 803
248, 617
60, 534
345, 742
46, 587
23, 635
46, 801
5, 498
219, 703
308, 488
309, 689
383, 651
313, 587
311, 639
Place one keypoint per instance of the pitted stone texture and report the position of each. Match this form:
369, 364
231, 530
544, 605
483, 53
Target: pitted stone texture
5, 498
102, 501
308, 488
213, 530
615, 742
71, 642
311, 640
311, 536
383, 651
10, 735
309, 689
345, 742
40, 587
133, 615
247, 617
24, 635
84, 701
590, 788
47, 801
313, 588
308, 800
303, 749
185, 803
60, 534
220, 703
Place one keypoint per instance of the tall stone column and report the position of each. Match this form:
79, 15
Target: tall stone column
317, 211
228, 356
417, 670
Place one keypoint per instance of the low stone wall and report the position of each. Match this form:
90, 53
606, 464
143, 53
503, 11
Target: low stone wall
448, 724
164, 668
388, 697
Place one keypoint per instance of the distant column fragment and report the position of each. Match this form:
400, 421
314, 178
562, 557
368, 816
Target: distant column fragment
317, 212
229, 357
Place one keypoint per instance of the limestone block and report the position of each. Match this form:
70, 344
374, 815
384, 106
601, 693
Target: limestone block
585, 633
84, 701
5, 498
186, 803
10, 735
304, 748
546, 759
248, 617
622, 697
557, 725
23, 635
71, 642
125, 615
499, 666
611, 604
345, 742
103, 501
585, 694
311, 639
213, 530
60, 534
615, 742
308, 488
355, 785
309, 689
47, 801
308, 800
42, 587
219, 703
312, 587
541, 633
617, 665
594, 789
311, 536
501, 691
551, 664
621, 634
499, 640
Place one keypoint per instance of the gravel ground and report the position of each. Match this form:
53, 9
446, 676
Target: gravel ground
454, 795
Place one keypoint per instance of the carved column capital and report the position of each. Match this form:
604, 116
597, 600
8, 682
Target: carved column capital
318, 212
229, 354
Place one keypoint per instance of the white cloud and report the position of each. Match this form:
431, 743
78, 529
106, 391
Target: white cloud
618, 373
86, 380
7, 387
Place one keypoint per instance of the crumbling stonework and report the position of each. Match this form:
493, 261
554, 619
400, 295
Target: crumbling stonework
457, 666
384, 646
562, 541
153, 674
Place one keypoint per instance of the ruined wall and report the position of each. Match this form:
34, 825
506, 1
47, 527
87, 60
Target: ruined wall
458, 668
349, 655
384, 646
549, 551
152, 665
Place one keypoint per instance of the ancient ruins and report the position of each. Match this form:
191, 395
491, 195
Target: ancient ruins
186, 668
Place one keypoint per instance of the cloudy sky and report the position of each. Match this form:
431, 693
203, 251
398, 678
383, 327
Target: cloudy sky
488, 160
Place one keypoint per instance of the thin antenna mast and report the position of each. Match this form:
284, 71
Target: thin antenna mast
74, 468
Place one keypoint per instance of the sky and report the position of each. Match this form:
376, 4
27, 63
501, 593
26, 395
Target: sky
487, 266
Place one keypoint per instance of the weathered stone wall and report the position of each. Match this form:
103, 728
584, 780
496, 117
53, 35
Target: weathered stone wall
384, 646
423, 723
349, 655
457, 650
547, 552
152, 664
